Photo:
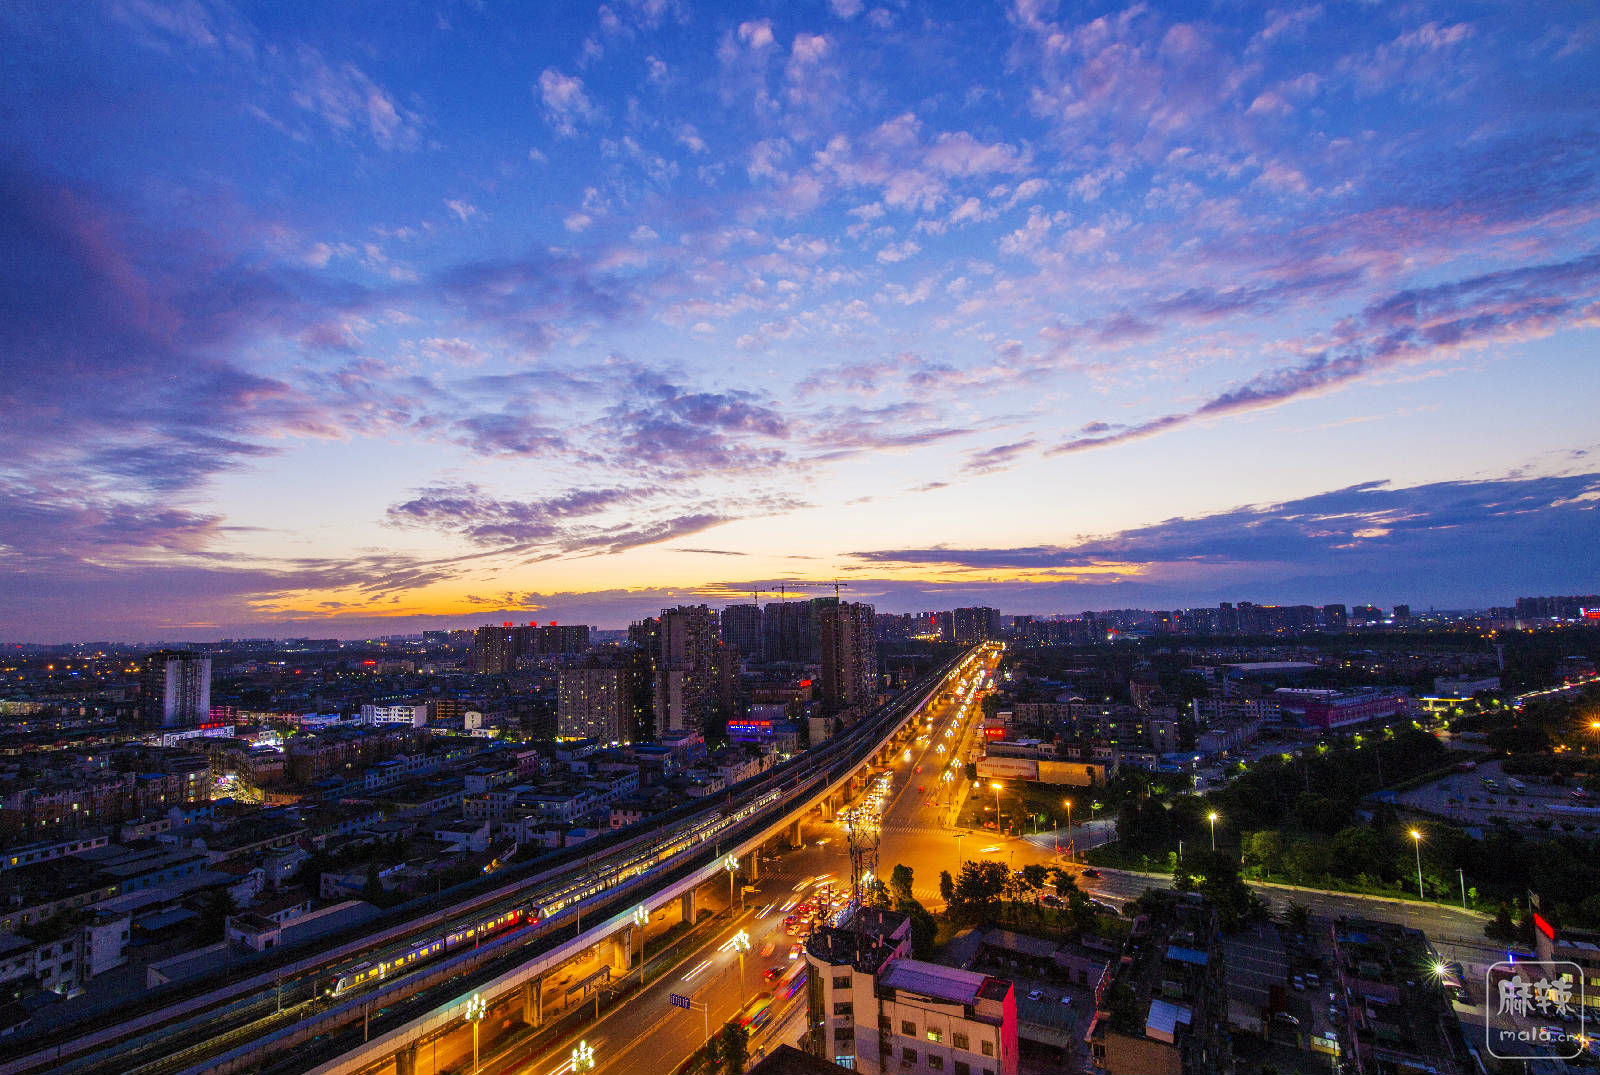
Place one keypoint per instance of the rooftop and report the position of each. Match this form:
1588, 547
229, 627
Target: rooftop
932, 980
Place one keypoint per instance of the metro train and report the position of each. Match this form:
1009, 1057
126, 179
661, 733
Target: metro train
347, 978
565, 893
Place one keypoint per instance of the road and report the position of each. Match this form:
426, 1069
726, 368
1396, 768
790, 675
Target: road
649, 1034
915, 832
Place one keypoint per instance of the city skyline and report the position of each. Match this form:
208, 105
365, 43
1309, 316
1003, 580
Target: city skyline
331, 324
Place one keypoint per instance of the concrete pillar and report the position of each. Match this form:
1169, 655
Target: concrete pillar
686, 904
795, 839
405, 1060
533, 1002
619, 951
752, 865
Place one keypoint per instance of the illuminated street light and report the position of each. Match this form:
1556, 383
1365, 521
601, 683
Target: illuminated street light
1416, 839
1212, 817
583, 1057
741, 945
732, 864
477, 1008
641, 919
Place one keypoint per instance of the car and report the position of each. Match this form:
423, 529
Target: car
1066, 1002
1313, 979
1285, 1018
770, 973
1050, 899
1299, 983
766, 949
1091, 872
1036, 994
794, 951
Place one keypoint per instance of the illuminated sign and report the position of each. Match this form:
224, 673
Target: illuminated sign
1589, 613
1543, 926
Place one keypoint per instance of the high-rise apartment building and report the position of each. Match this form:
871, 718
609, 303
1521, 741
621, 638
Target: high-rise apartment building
494, 650
1335, 617
973, 625
849, 656
596, 701
741, 630
175, 688
686, 671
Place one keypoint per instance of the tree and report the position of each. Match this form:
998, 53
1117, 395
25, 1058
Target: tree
713, 1053
1297, 916
947, 887
900, 882
213, 924
979, 888
877, 894
971, 770
924, 929
1035, 874
735, 1048
1063, 881
372, 888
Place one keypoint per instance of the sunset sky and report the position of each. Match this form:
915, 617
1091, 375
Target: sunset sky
352, 318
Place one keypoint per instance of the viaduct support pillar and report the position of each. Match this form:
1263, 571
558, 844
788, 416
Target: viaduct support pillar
532, 1002
687, 905
405, 1061
795, 839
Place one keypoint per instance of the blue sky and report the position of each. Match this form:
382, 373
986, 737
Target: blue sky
337, 319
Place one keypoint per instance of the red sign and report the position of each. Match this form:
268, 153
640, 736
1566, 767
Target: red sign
1543, 926
1589, 613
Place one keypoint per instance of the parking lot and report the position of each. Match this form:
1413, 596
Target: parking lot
1486, 792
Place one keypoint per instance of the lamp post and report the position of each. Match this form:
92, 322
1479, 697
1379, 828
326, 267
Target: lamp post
732, 864
1462, 874
477, 1008
996, 785
1594, 726
583, 1057
1416, 840
641, 919
741, 945
1212, 817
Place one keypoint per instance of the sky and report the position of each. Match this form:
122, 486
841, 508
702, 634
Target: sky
360, 318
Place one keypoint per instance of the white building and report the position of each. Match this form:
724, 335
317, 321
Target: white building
874, 1009
414, 715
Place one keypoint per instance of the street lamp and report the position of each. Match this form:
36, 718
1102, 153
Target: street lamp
741, 945
583, 1057
1212, 817
1068, 803
641, 919
477, 1008
996, 785
732, 864
1416, 840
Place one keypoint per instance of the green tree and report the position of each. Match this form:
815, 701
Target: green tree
735, 1048
713, 1054
877, 894
1297, 916
1035, 874
924, 928
900, 882
947, 887
372, 889
979, 888
214, 912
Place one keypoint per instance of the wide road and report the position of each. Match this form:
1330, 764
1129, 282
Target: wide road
648, 1034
